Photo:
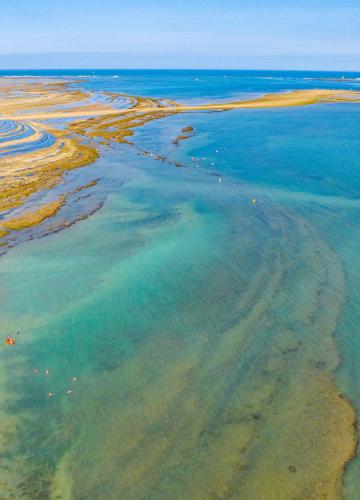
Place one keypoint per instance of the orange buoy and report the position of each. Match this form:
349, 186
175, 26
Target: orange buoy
10, 341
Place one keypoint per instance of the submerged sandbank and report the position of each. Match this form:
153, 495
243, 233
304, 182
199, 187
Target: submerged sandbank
186, 427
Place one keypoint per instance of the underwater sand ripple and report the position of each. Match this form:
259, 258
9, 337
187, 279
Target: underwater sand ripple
216, 416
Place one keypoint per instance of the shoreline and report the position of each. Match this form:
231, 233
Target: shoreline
42, 167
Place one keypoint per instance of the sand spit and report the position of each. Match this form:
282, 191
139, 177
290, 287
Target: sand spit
287, 99
33, 218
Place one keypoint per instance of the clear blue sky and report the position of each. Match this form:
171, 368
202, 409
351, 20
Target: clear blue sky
292, 34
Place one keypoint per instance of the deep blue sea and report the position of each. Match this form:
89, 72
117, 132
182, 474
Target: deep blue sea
205, 318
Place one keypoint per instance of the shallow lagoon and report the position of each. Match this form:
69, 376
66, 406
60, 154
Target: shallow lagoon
208, 335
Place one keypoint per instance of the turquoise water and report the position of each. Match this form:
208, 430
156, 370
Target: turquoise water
205, 339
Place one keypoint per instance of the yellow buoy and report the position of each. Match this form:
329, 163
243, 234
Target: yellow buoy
253, 201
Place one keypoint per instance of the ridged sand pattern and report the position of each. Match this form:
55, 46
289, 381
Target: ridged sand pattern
34, 156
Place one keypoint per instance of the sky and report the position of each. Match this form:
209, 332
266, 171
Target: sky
239, 34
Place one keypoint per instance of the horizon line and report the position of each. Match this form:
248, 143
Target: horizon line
178, 69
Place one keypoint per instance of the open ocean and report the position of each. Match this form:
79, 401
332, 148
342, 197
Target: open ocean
198, 309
